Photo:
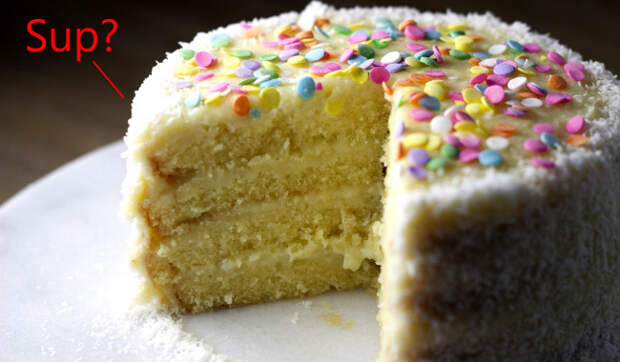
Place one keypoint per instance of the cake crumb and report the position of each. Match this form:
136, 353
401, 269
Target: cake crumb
348, 325
332, 319
326, 306
295, 318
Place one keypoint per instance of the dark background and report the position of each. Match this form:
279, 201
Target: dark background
55, 109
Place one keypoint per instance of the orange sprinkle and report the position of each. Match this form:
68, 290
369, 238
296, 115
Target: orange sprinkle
476, 37
415, 97
474, 61
504, 130
294, 28
306, 34
577, 140
403, 82
557, 82
403, 24
444, 50
419, 78
310, 44
387, 89
241, 105
523, 95
321, 21
400, 151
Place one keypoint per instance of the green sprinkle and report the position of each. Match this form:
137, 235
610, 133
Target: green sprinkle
186, 53
243, 54
339, 29
436, 163
515, 52
459, 54
365, 51
269, 57
449, 151
429, 61
263, 72
247, 81
456, 33
380, 43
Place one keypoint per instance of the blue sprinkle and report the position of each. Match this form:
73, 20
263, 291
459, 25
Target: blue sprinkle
321, 31
362, 32
480, 87
254, 112
219, 40
405, 54
549, 140
193, 100
432, 34
357, 59
315, 54
417, 172
423, 53
513, 44
270, 83
394, 34
429, 102
490, 158
305, 87
482, 55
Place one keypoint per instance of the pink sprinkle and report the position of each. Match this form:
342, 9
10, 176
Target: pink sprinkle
380, 75
541, 128
574, 65
468, 155
238, 89
415, 47
414, 32
495, 94
480, 78
452, 139
346, 55
297, 46
462, 117
357, 38
319, 86
437, 54
543, 162
319, 70
472, 142
535, 145
456, 96
534, 88
270, 44
203, 76
379, 34
557, 98
332, 66
556, 58
290, 40
220, 87
204, 59
575, 124
245, 25
435, 73
531, 47
420, 114
282, 37
576, 75
495, 79
542, 68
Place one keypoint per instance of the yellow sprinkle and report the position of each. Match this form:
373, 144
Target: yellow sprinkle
488, 105
231, 62
474, 109
526, 71
337, 73
283, 29
251, 88
269, 97
359, 75
457, 26
479, 70
436, 88
296, 60
185, 69
213, 98
465, 126
447, 39
434, 141
357, 25
350, 68
470, 95
333, 106
415, 140
270, 66
464, 43
482, 128
413, 62
229, 73
543, 58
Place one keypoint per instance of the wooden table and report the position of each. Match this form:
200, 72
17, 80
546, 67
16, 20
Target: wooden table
56, 109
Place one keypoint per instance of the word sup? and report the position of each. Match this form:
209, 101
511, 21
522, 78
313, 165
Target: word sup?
86, 39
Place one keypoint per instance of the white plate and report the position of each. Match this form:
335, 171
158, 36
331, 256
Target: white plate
64, 290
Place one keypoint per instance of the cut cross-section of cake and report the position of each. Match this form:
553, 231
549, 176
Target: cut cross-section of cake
467, 169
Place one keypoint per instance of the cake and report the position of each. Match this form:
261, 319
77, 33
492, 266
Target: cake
466, 169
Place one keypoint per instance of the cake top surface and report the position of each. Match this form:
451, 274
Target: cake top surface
469, 94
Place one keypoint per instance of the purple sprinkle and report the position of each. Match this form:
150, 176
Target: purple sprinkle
400, 129
250, 64
243, 72
452, 139
541, 128
417, 172
184, 84
366, 63
357, 38
346, 55
557, 98
542, 68
536, 89
418, 156
285, 54
437, 54
513, 112
395, 67
504, 69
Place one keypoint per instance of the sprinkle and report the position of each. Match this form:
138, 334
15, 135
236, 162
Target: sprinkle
556, 58
247, 81
269, 97
441, 125
514, 112
497, 143
470, 95
488, 63
482, 55
429, 61
437, 54
431, 34
418, 156
296, 60
231, 62
430, 103
270, 83
365, 51
549, 140
359, 75
379, 75
504, 69
496, 79
305, 87
358, 59
414, 32
497, 49
268, 57
575, 124
193, 100
394, 67
435, 74
490, 158
543, 68
517, 83
186, 54
343, 30
315, 54
531, 102
242, 53
455, 96
380, 43
420, 114
536, 89
452, 140
436, 88
415, 47
556, 82
472, 142
379, 34
436, 163
468, 156
574, 65
495, 94
535, 145
321, 31
480, 78
417, 172
576, 74
541, 128
220, 87
204, 59
558, 98
463, 43
415, 139
254, 112
203, 76
220, 41
241, 105
449, 151
286, 54
531, 47
513, 44
391, 57
243, 72
400, 129
542, 162
576, 140
184, 84
459, 54
358, 38
346, 55
423, 53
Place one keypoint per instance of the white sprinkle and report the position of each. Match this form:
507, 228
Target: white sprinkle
441, 125
497, 143
497, 49
531, 102
528, 64
451, 110
391, 57
488, 62
517, 83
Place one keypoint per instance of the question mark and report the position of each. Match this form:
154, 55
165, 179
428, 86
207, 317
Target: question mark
114, 27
